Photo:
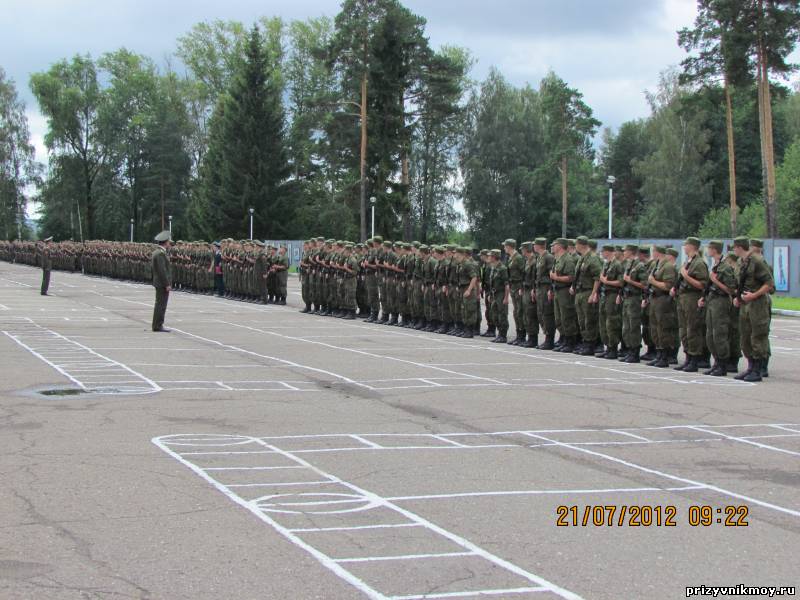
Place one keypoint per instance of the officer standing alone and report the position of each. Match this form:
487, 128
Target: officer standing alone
161, 280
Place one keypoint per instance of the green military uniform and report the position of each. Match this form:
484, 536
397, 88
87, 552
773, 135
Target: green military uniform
718, 312
161, 281
663, 313
46, 262
691, 318
545, 307
586, 285
566, 318
529, 308
610, 313
499, 285
632, 307
516, 273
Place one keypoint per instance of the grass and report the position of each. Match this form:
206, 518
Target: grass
785, 303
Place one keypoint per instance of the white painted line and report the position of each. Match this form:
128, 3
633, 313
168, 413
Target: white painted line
356, 527
498, 592
403, 557
785, 428
290, 483
449, 441
543, 492
628, 433
249, 468
644, 469
747, 441
433, 383
43, 359
230, 452
322, 558
366, 442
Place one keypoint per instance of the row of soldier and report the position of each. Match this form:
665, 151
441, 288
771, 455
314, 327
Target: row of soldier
248, 270
608, 304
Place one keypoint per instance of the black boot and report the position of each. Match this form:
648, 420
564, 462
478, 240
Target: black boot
588, 349
663, 362
420, 325
623, 354
746, 372
560, 341
720, 369
765, 367
307, 309
673, 357
548, 343
691, 367
393, 320
350, 316
685, 364
501, 337
650, 354
755, 376
633, 356
611, 353
467, 333
601, 353
569, 344
657, 358
703, 362
491, 332
732, 365
443, 328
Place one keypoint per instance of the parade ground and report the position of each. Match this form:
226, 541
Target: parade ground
257, 452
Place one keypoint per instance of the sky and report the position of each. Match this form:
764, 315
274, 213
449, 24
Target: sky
610, 50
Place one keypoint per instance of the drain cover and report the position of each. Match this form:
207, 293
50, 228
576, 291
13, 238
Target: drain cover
63, 392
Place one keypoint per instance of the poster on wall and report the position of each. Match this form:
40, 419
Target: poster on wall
780, 266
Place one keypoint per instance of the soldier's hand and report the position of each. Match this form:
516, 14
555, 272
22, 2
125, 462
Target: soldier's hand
593, 298
701, 303
505, 301
572, 291
550, 295
644, 303
748, 297
672, 292
736, 302
466, 294
619, 299
533, 296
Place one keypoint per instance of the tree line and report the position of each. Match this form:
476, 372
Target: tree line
312, 123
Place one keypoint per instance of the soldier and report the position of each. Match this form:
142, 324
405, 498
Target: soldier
693, 277
716, 300
662, 308
486, 272
610, 316
562, 276
281, 268
443, 257
634, 277
529, 297
468, 291
429, 297
516, 272
350, 273
46, 262
498, 294
752, 298
545, 308
735, 350
586, 290
757, 246
650, 263
162, 279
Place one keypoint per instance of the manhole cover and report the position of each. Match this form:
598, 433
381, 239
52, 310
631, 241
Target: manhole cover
63, 392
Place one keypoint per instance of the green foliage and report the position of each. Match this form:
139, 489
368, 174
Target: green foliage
750, 221
17, 166
787, 182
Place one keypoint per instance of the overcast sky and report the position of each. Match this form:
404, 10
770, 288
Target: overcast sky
611, 50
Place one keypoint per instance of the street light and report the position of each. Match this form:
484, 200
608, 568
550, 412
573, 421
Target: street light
170, 226
131, 229
611, 179
372, 201
252, 210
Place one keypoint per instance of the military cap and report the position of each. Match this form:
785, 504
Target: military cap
757, 242
484, 252
319, 239
259, 243
692, 241
618, 248
632, 247
359, 245
742, 242
592, 244
644, 249
451, 247
464, 250
217, 244
424, 248
48, 239
495, 253
582, 240
527, 246
563, 242
330, 241
162, 237
718, 245
377, 238
660, 249
398, 244
570, 242
348, 246
510, 242
416, 244
732, 255
608, 247
540, 241
672, 252
439, 249
387, 244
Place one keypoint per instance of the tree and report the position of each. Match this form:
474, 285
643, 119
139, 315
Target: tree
569, 127
71, 98
18, 169
787, 180
246, 166
675, 184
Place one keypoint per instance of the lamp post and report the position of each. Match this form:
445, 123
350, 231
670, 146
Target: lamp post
252, 210
170, 226
131, 229
611, 179
372, 201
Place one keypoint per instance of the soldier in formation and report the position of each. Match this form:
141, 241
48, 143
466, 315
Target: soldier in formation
611, 305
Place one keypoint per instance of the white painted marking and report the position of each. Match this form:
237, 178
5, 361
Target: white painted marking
498, 592
746, 441
356, 527
366, 442
785, 428
644, 469
403, 557
290, 483
628, 433
543, 492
